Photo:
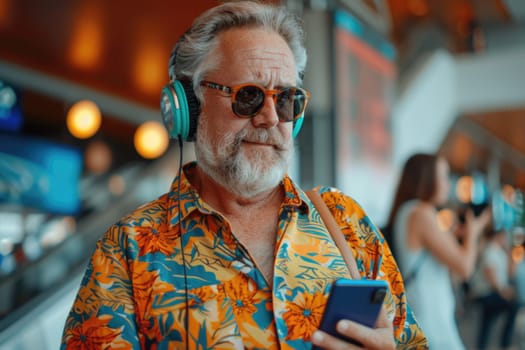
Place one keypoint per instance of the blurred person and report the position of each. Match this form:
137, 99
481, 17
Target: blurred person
426, 254
519, 281
519, 277
492, 288
235, 255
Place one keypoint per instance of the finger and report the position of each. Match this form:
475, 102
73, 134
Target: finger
327, 341
370, 338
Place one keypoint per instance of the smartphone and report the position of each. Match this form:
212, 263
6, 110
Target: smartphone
356, 300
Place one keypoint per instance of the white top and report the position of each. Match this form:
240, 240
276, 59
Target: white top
430, 293
495, 257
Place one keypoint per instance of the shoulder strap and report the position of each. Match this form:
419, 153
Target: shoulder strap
410, 277
335, 231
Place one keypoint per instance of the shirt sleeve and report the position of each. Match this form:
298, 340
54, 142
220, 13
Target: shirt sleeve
102, 315
375, 261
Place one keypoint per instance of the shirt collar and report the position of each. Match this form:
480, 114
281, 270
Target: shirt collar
189, 199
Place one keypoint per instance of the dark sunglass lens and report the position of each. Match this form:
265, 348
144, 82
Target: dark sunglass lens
298, 103
248, 101
290, 104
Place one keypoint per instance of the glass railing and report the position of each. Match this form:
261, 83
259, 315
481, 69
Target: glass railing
39, 252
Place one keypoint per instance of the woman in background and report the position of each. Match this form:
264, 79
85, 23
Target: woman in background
492, 288
425, 253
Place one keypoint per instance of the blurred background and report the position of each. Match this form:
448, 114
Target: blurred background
81, 142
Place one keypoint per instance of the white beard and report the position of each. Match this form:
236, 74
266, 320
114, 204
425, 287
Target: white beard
226, 162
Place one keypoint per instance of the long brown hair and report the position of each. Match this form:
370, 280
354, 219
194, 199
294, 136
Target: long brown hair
417, 181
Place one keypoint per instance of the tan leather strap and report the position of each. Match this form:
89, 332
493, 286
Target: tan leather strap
335, 231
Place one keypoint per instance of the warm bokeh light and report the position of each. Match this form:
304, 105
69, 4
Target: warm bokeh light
86, 39
446, 219
84, 119
464, 189
98, 157
151, 140
5, 12
149, 70
517, 253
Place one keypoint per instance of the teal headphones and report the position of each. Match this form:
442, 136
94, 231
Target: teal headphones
180, 108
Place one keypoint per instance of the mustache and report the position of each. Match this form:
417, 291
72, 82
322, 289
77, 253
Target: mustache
264, 136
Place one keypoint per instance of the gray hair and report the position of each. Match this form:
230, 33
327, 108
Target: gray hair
188, 58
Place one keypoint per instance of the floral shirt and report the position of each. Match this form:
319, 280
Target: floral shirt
141, 291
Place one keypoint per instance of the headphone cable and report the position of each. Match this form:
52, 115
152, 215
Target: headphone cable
186, 317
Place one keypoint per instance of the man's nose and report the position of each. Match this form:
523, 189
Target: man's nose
267, 116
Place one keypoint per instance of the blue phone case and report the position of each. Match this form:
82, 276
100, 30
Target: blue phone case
356, 300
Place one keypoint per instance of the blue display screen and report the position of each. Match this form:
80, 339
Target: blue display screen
40, 173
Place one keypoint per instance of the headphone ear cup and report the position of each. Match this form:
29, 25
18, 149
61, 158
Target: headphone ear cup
297, 125
180, 109
194, 109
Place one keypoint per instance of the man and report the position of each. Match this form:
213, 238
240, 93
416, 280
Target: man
235, 255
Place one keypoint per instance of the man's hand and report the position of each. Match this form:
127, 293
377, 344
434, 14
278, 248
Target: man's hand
381, 337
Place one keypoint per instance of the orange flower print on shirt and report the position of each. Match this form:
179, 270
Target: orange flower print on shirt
95, 334
156, 239
147, 284
241, 291
105, 267
304, 315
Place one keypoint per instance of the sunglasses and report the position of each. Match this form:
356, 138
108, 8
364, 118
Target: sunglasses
248, 99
